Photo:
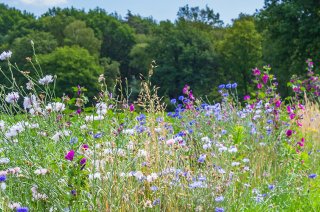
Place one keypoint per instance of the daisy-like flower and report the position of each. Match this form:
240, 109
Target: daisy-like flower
46, 80
12, 97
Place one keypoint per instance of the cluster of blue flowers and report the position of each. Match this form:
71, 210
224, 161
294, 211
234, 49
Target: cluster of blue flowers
228, 86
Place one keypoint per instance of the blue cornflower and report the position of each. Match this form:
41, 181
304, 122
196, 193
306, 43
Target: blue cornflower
271, 187
228, 86
219, 199
223, 132
3, 178
202, 158
73, 140
98, 135
154, 188
156, 202
141, 117
173, 101
219, 210
181, 98
221, 86
234, 85
22, 209
312, 176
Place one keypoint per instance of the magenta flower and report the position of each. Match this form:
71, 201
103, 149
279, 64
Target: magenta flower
131, 108
278, 103
265, 78
69, 155
289, 133
256, 72
292, 115
259, 86
246, 98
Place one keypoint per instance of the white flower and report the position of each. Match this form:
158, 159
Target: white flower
235, 164
139, 175
5, 55
2, 125
30, 102
142, 153
83, 127
56, 137
56, 107
96, 175
3, 186
245, 160
12, 97
101, 108
46, 80
93, 118
41, 171
128, 131
14, 205
233, 149
29, 85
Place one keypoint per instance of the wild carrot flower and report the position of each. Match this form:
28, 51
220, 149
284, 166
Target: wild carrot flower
70, 155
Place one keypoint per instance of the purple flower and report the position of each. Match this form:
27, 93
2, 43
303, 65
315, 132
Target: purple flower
3, 178
312, 176
70, 155
219, 210
228, 86
173, 101
83, 161
22, 209
234, 85
246, 98
271, 187
259, 85
131, 108
85, 146
221, 86
265, 78
289, 133
219, 199
202, 158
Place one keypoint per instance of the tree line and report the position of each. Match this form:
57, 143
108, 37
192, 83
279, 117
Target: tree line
197, 49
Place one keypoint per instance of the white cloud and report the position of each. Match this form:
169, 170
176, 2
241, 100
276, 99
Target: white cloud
44, 2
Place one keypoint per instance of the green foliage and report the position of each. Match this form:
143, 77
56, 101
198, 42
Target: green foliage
73, 66
77, 33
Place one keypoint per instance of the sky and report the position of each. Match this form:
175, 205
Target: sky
159, 10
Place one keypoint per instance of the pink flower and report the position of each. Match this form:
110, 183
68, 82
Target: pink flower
69, 155
259, 86
300, 144
256, 72
301, 107
246, 98
170, 142
131, 108
265, 78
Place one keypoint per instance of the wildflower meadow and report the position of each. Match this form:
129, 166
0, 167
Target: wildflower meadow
260, 152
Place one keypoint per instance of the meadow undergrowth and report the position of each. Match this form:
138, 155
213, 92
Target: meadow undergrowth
107, 154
